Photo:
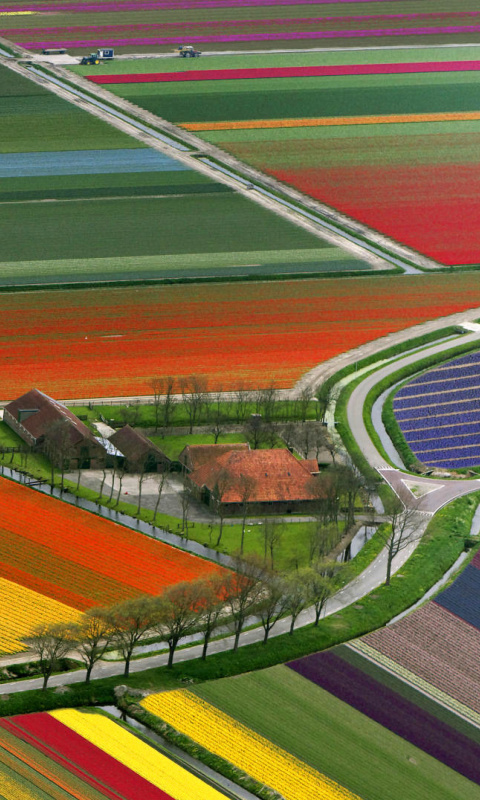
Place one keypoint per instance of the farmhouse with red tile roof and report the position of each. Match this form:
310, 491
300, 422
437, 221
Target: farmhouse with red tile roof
35, 415
268, 481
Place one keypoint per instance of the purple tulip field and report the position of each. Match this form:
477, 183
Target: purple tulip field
417, 675
240, 24
439, 414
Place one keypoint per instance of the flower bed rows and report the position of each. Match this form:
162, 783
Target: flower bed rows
438, 413
255, 755
356, 687
90, 344
56, 560
88, 756
287, 72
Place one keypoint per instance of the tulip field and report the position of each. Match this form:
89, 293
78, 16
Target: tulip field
438, 414
302, 741
69, 753
84, 202
90, 343
417, 677
388, 138
159, 25
57, 560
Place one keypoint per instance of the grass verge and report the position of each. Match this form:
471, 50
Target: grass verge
446, 537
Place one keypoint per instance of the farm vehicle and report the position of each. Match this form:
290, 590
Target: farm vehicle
102, 54
187, 51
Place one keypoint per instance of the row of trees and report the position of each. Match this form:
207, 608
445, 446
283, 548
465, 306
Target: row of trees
200, 406
195, 607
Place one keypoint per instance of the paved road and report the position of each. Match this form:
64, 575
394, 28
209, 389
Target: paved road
427, 495
369, 580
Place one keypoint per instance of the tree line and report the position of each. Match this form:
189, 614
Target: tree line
220, 600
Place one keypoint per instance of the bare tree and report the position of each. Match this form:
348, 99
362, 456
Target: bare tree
326, 394
266, 400
303, 402
271, 531
217, 416
121, 474
142, 475
289, 434
91, 637
320, 587
131, 621
186, 500
297, 596
306, 438
221, 486
212, 592
102, 484
163, 401
244, 589
177, 613
161, 480
402, 530
58, 448
50, 643
255, 430
246, 487
243, 398
193, 390
272, 603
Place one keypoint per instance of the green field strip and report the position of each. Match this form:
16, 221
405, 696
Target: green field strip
429, 704
109, 192
392, 130
268, 262
413, 54
127, 227
297, 103
334, 738
41, 121
357, 82
131, 180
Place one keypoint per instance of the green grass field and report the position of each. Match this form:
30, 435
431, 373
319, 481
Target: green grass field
334, 738
34, 119
145, 227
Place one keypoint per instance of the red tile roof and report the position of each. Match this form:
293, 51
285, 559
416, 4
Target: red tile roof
196, 455
275, 476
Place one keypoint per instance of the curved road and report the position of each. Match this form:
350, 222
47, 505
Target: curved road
427, 495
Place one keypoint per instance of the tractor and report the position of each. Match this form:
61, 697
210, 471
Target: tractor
102, 54
187, 51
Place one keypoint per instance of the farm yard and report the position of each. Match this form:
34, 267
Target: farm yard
89, 343
388, 138
72, 754
438, 414
76, 566
159, 25
295, 736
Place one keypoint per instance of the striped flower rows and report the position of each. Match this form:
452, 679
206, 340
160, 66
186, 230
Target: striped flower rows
286, 35
422, 409
56, 560
22, 609
287, 72
87, 756
252, 753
